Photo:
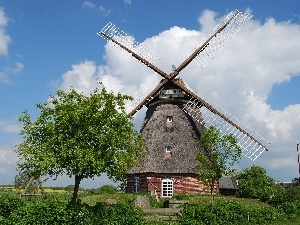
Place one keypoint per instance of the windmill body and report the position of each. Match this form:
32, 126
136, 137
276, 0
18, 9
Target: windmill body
177, 116
172, 136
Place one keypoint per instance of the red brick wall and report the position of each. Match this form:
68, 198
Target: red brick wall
183, 184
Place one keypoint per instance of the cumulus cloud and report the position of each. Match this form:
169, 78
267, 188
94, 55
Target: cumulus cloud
8, 160
240, 78
10, 127
4, 43
4, 75
4, 37
100, 9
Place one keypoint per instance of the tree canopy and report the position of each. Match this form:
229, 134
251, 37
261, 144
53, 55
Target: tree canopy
255, 183
218, 155
81, 136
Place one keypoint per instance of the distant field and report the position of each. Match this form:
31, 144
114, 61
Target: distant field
47, 190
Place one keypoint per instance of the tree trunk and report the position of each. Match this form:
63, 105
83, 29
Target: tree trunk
212, 187
76, 188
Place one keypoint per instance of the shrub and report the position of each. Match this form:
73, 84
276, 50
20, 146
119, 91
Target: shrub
125, 214
263, 215
107, 189
8, 204
194, 214
59, 213
291, 210
230, 212
50, 212
254, 183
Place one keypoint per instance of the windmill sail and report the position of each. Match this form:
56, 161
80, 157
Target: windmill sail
222, 34
112, 32
251, 143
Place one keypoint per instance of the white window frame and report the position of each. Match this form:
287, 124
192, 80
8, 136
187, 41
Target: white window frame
168, 149
169, 119
136, 184
167, 188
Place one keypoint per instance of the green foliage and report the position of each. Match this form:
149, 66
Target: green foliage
182, 197
254, 183
229, 213
291, 210
69, 188
218, 156
120, 197
51, 212
55, 210
8, 204
292, 193
163, 223
264, 215
125, 214
285, 194
107, 189
194, 214
81, 136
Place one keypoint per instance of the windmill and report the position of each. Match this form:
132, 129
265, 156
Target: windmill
176, 116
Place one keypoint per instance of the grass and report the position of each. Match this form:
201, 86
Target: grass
120, 197
206, 199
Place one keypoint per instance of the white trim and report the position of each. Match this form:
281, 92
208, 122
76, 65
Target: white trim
167, 187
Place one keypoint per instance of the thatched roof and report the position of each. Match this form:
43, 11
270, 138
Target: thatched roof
182, 135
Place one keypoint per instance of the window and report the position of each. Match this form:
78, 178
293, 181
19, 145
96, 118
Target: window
136, 184
167, 188
168, 149
169, 119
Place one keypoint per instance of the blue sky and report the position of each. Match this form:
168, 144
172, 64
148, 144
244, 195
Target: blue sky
50, 45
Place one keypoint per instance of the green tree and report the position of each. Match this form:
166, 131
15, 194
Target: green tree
81, 136
218, 155
255, 183
107, 189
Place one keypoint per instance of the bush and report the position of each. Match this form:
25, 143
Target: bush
60, 213
125, 214
8, 204
282, 194
194, 214
291, 210
255, 184
230, 212
263, 215
51, 212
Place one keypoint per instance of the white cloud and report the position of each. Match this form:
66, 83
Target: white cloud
127, 2
81, 77
4, 38
10, 127
4, 43
240, 78
18, 68
100, 9
8, 158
